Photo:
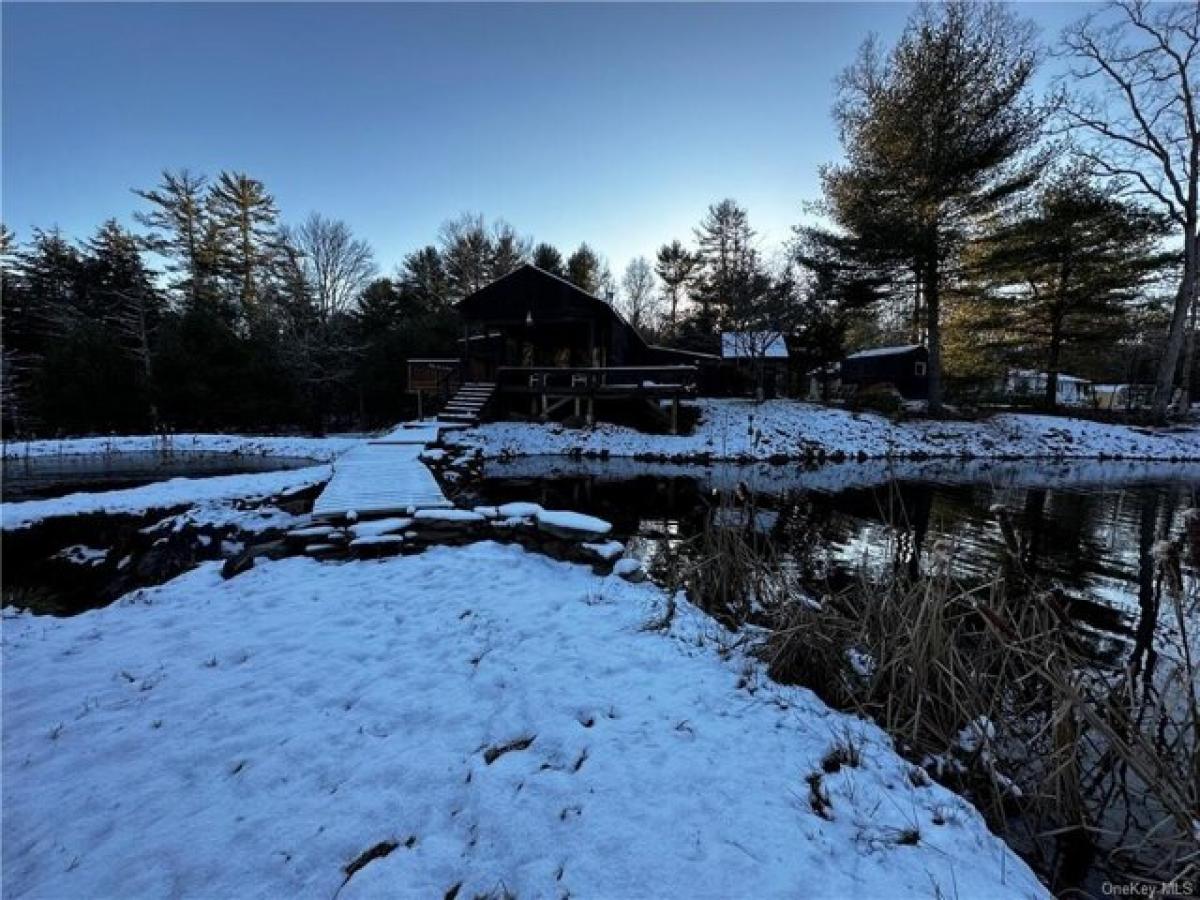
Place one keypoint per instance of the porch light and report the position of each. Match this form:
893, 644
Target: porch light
528, 318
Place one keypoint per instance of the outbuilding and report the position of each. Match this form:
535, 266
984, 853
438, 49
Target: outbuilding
906, 368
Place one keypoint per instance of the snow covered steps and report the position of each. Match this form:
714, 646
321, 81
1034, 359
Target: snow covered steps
465, 407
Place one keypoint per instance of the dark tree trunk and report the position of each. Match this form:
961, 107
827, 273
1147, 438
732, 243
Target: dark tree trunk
1052, 364
1189, 356
918, 308
1184, 298
932, 299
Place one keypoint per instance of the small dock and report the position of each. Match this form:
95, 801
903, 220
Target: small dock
384, 476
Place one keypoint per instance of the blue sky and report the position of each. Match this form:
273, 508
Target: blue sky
615, 124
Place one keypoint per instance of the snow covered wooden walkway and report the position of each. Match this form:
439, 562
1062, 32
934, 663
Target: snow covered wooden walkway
411, 433
384, 476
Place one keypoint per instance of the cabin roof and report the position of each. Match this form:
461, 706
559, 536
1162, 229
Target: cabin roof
885, 351
696, 355
530, 291
753, 345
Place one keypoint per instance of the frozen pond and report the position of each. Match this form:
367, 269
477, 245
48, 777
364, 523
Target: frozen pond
39, 477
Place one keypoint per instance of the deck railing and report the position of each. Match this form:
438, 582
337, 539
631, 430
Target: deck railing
436, 376
597, 379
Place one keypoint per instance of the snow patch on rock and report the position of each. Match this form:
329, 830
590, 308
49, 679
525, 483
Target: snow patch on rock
571, 524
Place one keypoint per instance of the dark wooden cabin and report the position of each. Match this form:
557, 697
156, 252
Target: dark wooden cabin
552, 350
904, 368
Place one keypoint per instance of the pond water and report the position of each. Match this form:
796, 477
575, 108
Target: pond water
1090, 526
38, 477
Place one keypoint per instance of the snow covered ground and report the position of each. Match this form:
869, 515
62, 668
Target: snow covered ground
474, 716
211, 494
741, 429
771, 478
320, 449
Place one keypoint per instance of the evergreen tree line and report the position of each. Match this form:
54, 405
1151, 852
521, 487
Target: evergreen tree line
216, 315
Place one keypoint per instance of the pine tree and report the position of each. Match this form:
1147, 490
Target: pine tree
247, 219
1062, 274
120, 294
82, 369
423, 276
937, 136
467, 253
181, 231
584, 269
509, 250
41, 309
726, 252
15, 327
548, 259
733, 289
50, 270
674, 265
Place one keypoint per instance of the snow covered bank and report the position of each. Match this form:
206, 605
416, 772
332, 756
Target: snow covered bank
741, 429
220, 489
770, 478
319, 449
474, 716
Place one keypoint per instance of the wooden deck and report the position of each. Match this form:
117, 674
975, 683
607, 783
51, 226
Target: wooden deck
578, 388
599, 381
384, 476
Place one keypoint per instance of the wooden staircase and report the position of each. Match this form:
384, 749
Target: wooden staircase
465, 407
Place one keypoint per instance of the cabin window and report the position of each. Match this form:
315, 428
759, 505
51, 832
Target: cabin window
919, 369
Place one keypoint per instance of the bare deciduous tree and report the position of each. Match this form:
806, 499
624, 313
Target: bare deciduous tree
336, 265
1137, 120
323, 271
639, 298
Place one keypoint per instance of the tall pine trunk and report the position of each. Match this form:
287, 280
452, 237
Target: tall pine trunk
1057, 313
1052, 369
932, 298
